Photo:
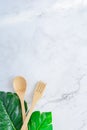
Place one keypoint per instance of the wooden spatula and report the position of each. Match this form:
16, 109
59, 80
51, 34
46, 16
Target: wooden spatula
40, 87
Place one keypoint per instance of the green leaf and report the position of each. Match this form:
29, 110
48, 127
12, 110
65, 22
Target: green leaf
11, 115
10, 112
40, 121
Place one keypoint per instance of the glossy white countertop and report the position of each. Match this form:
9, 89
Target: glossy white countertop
47, 40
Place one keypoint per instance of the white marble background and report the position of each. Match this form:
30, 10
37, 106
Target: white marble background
47, 40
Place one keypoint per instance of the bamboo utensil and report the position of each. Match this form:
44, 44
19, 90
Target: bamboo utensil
40, 87
19, 84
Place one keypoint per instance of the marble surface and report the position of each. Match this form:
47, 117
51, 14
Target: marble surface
47, 40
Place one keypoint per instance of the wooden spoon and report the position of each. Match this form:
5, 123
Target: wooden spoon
19, 85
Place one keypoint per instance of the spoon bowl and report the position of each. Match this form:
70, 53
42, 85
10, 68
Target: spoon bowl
19, 84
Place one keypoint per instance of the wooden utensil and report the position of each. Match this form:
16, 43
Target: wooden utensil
40, 87
19, 84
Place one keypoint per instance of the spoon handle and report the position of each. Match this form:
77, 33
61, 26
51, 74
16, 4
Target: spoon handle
23, 109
